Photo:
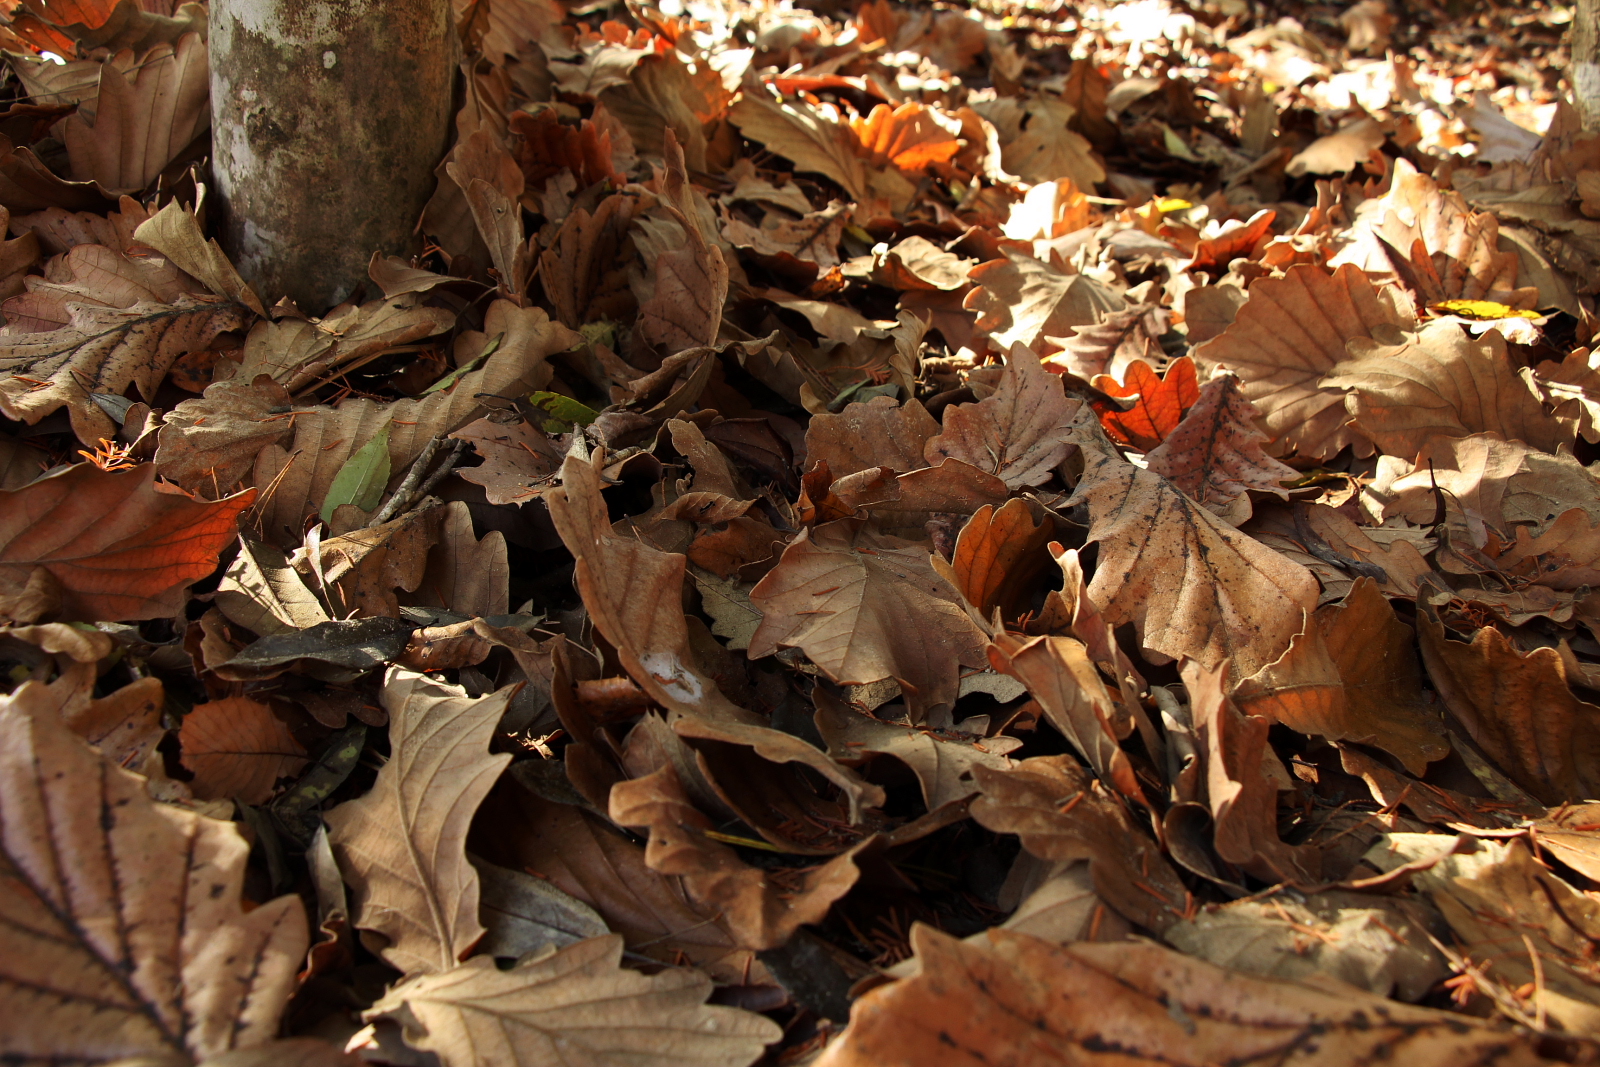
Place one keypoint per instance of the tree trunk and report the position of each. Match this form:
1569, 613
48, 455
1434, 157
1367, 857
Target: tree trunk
1584, 71
328, 118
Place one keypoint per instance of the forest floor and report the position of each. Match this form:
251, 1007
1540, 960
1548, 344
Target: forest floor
909, 534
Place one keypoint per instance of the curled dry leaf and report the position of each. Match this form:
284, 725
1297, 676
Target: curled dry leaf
998, 557
1285, 343
212, 442
1064, 815
237, 749
691, 282
298, 352
123, 932
761, 909
864, 606
577, 1004
1194, 587
1020, 433
111, 544
402, 847
1214, 455
1018, 999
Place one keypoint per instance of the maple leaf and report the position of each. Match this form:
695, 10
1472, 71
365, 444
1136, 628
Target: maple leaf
402, 845
1194, 587
114, 544
124, 935
1020, 300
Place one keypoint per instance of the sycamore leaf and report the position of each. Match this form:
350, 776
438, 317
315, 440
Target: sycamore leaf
1286, 341
104, 350
864, 606
1020, 433
877, 433
402, 846
912, 137
1214, 455
813, 137
1162, 401
1192, 585
1046, 150
761, 911
123, 933
115, 544
1016, 999
575, 1005
997, 559
1442, 383
238, 749
1020, 300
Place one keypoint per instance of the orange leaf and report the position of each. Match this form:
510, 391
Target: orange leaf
909, 136
1161, 406
119, 545
237, 749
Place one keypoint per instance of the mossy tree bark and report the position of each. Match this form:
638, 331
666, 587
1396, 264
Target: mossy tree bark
328, 118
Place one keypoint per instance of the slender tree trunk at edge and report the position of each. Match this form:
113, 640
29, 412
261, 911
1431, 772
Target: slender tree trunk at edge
328, 118
1584, 72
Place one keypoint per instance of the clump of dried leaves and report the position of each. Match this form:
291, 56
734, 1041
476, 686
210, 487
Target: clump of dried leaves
893, 535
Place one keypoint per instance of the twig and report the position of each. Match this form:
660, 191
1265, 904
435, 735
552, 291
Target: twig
456, 448
408, 487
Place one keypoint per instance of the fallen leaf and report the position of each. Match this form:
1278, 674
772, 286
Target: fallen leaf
261, 592
863, 607
402, 847
1193, 586
238, 749
1161, 401
691, 282
184, 971
997, 558
525, 914
1017, 999
212, 442
578, 1001
116, 544
1019, 300
1214, 455
1020, 433
1338, 152
1047, 150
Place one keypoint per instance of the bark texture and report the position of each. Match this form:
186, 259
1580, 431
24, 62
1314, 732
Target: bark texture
328, 117
1584, 73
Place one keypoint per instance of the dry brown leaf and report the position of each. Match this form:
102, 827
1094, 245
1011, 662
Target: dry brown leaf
942, 760
402, 846
238, 749
1241, 793
1518, 709
1493, 480
997, 558
578, 1005
138, 126
299, 353
104, 350
207, 445
466, 575
262, 592
1064, 815
125, 725
634, 594
1019, 300
1572, 387
492, 184
1214, 455
1020, 433
1042, 149
1442, 383
584, 269
1339, 151
1021, 1000
814, 138
812, 238
176, 233
877, 433
760, 909
123, 933
864, 606
114, 544
691, 281
516, 458
1195, 587
1287, 339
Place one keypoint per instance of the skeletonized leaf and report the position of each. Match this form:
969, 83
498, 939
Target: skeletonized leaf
122, 933
402, 847
576, 1005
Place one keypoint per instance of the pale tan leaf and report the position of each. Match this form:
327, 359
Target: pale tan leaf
466, 575
140, 125
814, 138
1192, 585
1287, 339
208, 444
576, 1005
812, 238
1339, 151
104, 350
298, 352
864, 606
1019, 300
877, 433
1046, 150
1021, 1000
402, 846
177, 234
1021, 433
691, 282
261, 592
1572, 387
1441, 382
123, 933
1214, 455
238, 749
1492, 480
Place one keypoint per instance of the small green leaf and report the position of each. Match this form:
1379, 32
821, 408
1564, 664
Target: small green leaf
455, 376
361, 480
564, 408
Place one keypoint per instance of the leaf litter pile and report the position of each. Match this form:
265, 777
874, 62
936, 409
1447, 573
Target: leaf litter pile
882, 535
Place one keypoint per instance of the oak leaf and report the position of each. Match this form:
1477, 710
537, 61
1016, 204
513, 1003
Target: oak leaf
1020, 434
212, 442
402, 846
1017, 999
577, 1005
1572, 388
1192, 585
117, 545
912, 137
298, 353
864, 606
1286, 341
123, 932
1214, 455
238, 749
814, 138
